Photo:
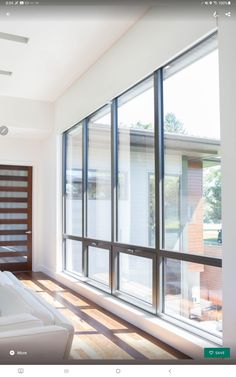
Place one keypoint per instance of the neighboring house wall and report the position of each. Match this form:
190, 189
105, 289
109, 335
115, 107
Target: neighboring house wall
195, 207
210, 278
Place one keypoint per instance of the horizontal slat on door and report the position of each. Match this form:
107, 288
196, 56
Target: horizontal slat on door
15, 254
13, 243
13, 221
13, 210
13, 188
11, 232
14, 266
13, 200
13, 167
13, 178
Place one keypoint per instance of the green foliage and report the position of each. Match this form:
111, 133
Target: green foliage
212, 195
142, 126
173, 125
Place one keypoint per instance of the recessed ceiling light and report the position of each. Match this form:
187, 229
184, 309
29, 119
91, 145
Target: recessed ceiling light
5, 73
14, 38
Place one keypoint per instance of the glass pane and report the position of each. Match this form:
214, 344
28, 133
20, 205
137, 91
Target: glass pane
13, 194
193, 293
13, 226
74, 255
6, 216
19, 173
74, 182
192, 184
135, 276
14, 183
98, 264
13, 259
13, 249
13, 237
13, 205
99, 175
136, 200
191, 93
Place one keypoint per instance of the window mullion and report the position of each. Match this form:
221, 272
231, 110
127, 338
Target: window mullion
84, 194
114, 180
159, 174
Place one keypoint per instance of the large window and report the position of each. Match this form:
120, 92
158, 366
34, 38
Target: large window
192, 186
142, 198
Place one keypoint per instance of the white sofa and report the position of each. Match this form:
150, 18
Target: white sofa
31, 330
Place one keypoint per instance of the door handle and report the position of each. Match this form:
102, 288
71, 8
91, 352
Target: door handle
28, 232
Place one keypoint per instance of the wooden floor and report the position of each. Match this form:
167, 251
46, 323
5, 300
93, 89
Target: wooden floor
99, 335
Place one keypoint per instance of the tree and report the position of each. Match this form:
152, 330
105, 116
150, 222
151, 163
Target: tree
173, 125
212, 195
141, 126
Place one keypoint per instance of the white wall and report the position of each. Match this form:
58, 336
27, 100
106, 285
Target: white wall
26, 118
29, 122
51, 201
227, 60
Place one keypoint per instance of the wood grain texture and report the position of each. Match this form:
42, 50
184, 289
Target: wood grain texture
99, 335
12, 262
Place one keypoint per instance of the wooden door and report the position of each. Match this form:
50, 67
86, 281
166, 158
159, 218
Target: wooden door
15, 218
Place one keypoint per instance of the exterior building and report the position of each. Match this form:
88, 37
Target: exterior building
187, 161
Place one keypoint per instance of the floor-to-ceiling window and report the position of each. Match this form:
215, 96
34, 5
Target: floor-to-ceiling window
73, 214
142, 194
192, 189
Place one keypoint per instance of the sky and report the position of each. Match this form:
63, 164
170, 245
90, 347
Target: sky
193, 96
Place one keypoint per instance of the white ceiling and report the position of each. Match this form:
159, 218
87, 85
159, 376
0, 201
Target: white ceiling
59, 50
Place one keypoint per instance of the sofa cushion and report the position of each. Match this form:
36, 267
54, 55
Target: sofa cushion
12, 279
18, 322
4, 279
16, 300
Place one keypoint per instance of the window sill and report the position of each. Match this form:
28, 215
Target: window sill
182, 340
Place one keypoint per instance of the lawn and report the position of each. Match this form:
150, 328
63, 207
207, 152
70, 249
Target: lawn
210, 233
